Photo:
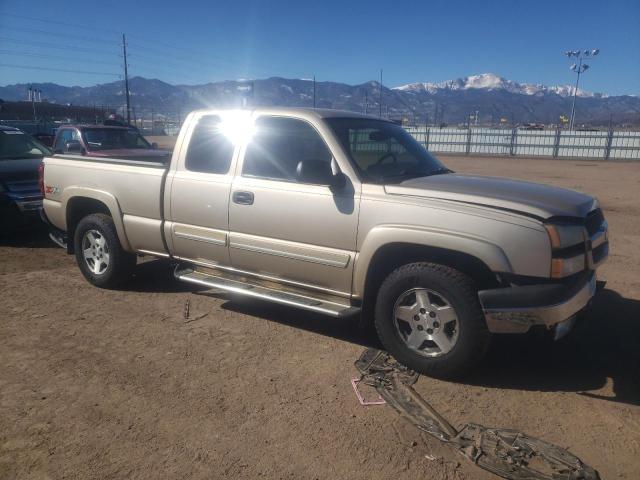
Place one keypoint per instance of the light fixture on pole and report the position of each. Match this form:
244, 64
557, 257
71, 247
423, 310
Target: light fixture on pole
578, 68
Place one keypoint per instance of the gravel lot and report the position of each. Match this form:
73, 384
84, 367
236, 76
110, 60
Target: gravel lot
116, 384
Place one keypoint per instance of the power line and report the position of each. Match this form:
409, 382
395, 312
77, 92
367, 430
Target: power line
64, 35
57, 46
139, 38
42, 55
49, 21
86, 72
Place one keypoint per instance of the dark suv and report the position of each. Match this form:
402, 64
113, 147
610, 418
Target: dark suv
20, 197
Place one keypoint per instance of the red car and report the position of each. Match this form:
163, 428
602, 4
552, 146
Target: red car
106, 141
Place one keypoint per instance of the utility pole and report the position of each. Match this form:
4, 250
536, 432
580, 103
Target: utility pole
33, 104
365, 102
380, 93
314, 91
126, 78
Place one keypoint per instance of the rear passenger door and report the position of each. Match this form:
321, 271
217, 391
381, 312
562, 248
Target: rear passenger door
199, 198
279, 227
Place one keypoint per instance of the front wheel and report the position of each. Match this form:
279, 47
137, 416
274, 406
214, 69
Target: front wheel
428, 317
101, 258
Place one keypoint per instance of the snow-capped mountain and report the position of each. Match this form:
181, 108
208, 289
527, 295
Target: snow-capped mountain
491, 81
450, 102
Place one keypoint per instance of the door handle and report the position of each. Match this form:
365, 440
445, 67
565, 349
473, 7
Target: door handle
243, 198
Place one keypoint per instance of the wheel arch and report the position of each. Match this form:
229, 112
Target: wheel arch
80, 202
474, 257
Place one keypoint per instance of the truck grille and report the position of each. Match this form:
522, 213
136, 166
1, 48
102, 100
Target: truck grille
594, 221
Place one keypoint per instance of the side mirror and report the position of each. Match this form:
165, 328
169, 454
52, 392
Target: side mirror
154, 145
74, 146
320, 172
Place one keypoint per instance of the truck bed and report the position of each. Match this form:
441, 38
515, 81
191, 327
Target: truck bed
131, 189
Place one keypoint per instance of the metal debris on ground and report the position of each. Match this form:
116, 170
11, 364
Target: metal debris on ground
186, 310
508, 453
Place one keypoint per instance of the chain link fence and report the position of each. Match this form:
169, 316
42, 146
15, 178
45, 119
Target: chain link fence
598, 145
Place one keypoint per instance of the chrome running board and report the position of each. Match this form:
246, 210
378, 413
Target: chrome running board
273, 292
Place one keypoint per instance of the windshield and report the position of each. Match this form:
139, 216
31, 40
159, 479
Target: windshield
113, 139
384, 152
15, 144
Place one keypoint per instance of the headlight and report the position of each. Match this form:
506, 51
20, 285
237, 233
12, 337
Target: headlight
563, 267
568, 249
563, 236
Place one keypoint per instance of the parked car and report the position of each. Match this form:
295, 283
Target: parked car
20, 196
339, 214
106, 141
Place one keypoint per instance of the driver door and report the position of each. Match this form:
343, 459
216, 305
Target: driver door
280, 227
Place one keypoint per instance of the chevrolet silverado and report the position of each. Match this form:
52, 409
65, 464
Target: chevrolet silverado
341, 214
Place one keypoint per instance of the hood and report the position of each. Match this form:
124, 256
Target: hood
23, 168
132, 153
533, 199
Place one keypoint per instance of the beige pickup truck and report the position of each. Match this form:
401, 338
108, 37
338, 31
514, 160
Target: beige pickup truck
340, 214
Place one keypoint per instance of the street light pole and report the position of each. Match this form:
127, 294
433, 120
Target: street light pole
380, 93
126, 78
580, 68
575, 92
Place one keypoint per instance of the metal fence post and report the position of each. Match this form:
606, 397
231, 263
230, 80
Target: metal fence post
426, 138
514, 132
556, 143
469, 141
607, 148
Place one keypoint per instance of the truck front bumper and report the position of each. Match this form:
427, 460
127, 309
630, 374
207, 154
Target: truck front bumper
517, 309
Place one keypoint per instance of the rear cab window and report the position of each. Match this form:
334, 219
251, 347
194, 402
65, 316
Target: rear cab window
209, 150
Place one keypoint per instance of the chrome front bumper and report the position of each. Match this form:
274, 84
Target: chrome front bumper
517, 309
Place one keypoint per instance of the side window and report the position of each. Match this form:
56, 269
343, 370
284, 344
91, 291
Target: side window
65, 136
278, 145
209, 150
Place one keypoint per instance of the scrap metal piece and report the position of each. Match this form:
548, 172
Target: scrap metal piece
514, 455
508, 453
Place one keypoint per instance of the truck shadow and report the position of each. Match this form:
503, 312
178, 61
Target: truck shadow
156, 276
605, 344
32, 237
603, 348
345, 329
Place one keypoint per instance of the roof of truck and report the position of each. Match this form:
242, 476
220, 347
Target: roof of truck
92, 125
317, 112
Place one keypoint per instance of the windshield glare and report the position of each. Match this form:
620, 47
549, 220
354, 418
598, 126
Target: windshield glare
16, 145
384, 152
112, 139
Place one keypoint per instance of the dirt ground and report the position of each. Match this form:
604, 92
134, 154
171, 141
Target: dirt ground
99, 384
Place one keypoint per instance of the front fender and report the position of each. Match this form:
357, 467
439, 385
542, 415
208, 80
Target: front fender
481, 248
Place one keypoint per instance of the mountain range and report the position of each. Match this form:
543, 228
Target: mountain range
451, 102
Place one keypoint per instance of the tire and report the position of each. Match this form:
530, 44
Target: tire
457, 345
107, 264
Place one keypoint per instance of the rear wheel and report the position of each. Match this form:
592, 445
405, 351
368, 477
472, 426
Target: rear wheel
101, 258
428, 317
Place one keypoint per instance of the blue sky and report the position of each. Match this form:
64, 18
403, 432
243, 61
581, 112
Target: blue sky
346, 41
